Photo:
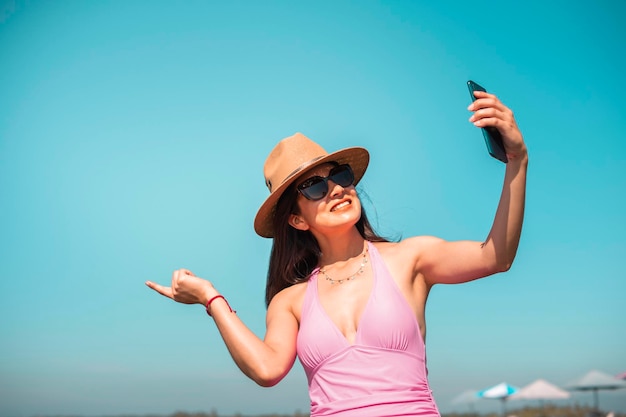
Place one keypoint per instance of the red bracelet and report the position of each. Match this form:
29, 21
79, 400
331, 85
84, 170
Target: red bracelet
208, 304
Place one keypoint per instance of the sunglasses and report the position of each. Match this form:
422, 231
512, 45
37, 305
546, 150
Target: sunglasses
316, 188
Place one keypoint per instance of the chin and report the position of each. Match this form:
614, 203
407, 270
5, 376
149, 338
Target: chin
348, 218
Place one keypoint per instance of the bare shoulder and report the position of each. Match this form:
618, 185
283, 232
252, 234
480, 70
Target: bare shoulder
406, 258
410, 247
290, 299
403, 260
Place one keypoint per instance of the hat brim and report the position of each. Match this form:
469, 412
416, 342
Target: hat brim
358, 159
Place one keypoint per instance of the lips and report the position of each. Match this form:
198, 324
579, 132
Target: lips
340, 205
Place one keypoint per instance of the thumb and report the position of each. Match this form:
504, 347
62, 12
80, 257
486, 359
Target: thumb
165, 291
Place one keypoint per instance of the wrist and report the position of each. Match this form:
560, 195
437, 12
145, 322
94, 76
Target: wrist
210, 293
216, 298
520, 157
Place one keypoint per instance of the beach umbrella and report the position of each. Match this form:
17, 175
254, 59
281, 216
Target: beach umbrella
540, 390
621, 376
500, 392
468, 398
595, 381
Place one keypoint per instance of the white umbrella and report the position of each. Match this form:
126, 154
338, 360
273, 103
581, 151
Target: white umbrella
595, 381
540, 390
500, 392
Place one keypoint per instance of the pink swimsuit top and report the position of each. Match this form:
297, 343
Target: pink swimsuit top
383, 373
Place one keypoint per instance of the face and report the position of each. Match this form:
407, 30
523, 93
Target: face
339, 209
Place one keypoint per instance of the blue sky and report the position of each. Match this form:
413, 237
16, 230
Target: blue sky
132, 139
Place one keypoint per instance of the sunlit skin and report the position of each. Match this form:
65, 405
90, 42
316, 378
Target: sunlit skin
416, 263
332, 216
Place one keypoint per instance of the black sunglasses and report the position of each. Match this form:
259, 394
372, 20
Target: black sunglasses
316, 188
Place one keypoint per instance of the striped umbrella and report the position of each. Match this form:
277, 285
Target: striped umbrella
500, 392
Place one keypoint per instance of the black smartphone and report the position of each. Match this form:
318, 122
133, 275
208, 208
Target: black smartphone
493, 138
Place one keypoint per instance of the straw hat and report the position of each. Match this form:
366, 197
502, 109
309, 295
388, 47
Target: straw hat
290, 158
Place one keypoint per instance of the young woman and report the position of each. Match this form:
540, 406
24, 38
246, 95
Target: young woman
346, 302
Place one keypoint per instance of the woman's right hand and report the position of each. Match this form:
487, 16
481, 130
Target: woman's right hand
264, 361
186, 288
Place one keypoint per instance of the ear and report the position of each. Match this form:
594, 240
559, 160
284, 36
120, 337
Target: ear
297, 222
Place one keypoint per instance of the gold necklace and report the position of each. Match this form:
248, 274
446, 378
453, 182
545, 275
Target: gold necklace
351, 277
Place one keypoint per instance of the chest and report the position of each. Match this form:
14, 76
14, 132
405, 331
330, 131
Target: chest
385, 322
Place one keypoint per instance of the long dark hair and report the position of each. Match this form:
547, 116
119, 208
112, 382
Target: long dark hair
296, 253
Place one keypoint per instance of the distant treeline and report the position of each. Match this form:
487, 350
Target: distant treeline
547, 411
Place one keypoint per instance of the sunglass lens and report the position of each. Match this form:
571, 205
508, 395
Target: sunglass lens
314, 189
342, 175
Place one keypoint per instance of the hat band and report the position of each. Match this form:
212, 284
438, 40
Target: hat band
295, 171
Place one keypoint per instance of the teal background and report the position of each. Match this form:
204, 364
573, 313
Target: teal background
132, 140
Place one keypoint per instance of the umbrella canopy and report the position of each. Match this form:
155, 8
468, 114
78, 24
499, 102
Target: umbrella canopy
595, 381
540, 390
500, 391
466, 397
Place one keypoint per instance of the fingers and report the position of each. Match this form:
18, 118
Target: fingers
180, 275
186, 272
486, 100
489, 110
165, 291
479, 117
483, 94
185, 288
490, 122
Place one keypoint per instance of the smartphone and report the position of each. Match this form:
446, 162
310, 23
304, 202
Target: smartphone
493, 138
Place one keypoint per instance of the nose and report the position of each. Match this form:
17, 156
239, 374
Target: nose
334, 189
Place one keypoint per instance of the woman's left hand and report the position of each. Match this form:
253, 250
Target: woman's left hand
489, 111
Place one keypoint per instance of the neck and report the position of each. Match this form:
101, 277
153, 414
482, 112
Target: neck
341, 248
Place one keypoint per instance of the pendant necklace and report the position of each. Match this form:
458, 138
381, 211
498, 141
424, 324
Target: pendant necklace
351, 277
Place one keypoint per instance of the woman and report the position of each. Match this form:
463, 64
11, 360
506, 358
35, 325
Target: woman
349, 304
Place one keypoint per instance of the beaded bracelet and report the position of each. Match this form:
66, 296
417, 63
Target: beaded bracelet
208, 304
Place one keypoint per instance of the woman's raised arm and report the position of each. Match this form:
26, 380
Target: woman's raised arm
453, 262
